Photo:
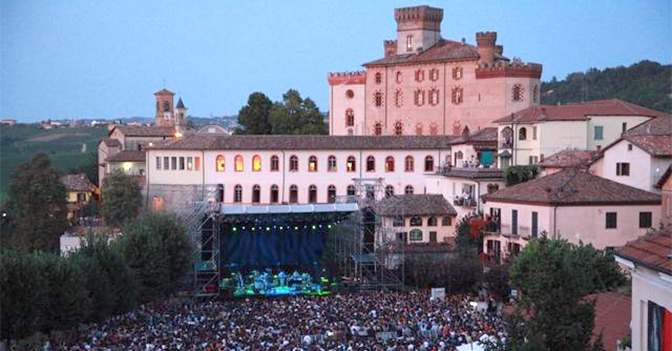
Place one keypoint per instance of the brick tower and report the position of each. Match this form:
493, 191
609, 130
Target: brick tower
418, 27
164, 108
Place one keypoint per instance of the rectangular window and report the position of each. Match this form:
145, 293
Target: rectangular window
625, 127
599, 133
534, 160
535, 224
514, 221
534, 133
173, 163
611, 220
432, 237
658, 327
645, 220
415, 235
190, 163
181, 163
623, 169
166, 163
158, 163
197, 163
398, 221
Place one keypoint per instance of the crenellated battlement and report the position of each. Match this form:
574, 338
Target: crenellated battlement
390, 47
509, 69
338, 78
418, 17
486, 38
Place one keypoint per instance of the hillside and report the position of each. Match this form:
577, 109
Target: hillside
645, 83
65, 147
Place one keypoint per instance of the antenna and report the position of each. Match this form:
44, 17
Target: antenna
164, 83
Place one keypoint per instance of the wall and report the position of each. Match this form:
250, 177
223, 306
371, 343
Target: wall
666, 211
579, 223
451, 187
340, 103
284, 178
640, 165
647, 285
442, 232
612, 128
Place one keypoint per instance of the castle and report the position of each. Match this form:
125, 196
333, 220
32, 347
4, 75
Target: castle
428, 85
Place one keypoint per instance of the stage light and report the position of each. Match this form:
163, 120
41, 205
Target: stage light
234, 229
329, 226
296, 228
268, 228
314, 227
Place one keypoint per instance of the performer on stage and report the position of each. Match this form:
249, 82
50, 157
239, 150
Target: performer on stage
282, 276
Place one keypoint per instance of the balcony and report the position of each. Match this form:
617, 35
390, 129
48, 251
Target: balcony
464, 202
505, 144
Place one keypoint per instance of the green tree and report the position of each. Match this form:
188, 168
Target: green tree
159, 251
37, 200
121, 198
294, 115
253, 117
519, 174
554, 278
88, 167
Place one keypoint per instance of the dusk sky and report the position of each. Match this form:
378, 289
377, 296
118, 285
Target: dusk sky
105, 59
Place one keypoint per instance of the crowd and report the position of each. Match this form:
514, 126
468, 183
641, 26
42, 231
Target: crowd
377, 321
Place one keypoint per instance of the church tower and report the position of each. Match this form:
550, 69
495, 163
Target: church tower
164, 108
180, 116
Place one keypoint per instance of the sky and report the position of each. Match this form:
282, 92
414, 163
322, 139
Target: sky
104, 59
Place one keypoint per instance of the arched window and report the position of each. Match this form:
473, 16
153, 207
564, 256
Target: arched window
220, 163
434, 74
419, 97
389, 164
517, 93
312, 194
408, 190
418, 128
378, 78
416, 221
351, 165
399, 77
256, 194
275, 196
433, 96
220, 192
331, 194
415, 235
378, 99
293, 194
507, 137
312, 164
419, 75
457, 73
370, 164
389, 190
522, 134
398, 128
275, 163
349, 117
238, 193
351, 190
398, 98
429, 164
432, 222
331, 164
408, 164
166, 106
293, 163
256, 163
239, 163
457, 95
378, 129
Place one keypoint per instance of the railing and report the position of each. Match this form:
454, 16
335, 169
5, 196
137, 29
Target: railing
458, 201
505, 145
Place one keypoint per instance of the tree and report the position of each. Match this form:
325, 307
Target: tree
497, 279
89, 167
37, 200
519, 174
294, 115
159, 251
554, 278
121, 198
253, 117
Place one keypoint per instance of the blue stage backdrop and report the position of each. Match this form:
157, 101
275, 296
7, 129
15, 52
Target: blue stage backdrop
267, 247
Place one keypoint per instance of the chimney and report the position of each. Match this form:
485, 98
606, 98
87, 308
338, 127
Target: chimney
486, 47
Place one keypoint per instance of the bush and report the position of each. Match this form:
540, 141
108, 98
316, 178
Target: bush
159, 251
458, 274
519, 174
121, 197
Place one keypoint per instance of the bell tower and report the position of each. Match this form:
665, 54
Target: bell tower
180, 115
164, 108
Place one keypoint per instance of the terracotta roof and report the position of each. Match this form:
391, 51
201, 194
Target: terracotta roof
652, 250
658, 126
303, 142
145, 131
164, 91
612, 317
77, 182
127, 156
111, 142
473, 173
656, 145
485, 135
569, 158
415, 205
664, 178
579, 111
444, 50
572, 187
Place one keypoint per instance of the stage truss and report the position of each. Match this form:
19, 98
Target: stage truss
368, 256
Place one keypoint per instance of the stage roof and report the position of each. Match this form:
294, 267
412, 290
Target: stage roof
288, 209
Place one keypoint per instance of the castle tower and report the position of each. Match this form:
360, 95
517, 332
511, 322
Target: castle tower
164, 108
180, 116
486, 47
418, 27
